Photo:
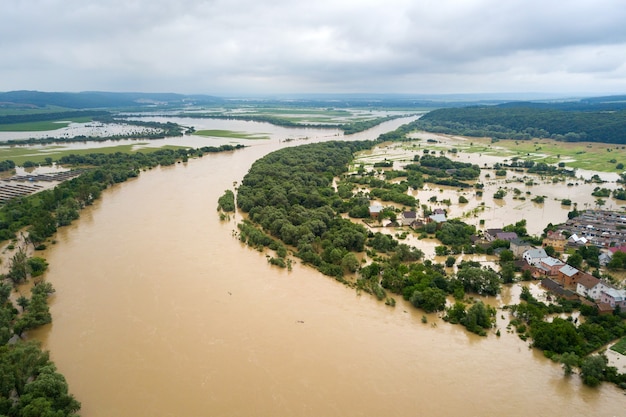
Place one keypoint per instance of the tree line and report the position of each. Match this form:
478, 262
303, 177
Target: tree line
525, 122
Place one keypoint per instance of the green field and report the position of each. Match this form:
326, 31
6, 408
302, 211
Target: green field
592, 156
42, 126
230, 134
620, 347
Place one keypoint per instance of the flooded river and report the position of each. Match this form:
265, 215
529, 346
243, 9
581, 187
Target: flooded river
160, 311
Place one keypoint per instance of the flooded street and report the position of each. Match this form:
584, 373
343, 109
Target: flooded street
160, 311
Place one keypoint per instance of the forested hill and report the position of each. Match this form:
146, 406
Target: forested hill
97, 99
593, 120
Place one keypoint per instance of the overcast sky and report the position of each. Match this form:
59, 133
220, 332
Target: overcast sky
252, 47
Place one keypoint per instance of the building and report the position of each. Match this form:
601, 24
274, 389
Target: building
549, 265
408, 218
613, 297
558, 290
518, 247
534, 256
375, 211
556, 240
567, 275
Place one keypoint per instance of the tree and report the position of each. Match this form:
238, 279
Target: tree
569, 360
483, 281
575, 260
479, 317
450, 260
430, 299
592, 369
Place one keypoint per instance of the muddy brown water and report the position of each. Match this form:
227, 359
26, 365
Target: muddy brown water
160, 311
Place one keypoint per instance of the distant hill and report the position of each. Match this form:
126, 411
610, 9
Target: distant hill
599, 119
98, 99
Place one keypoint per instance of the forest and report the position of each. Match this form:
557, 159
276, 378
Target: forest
523, 121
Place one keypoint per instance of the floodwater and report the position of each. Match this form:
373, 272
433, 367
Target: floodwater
161, 311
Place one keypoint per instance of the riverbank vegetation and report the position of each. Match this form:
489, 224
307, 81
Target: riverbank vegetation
30, 384
298, 200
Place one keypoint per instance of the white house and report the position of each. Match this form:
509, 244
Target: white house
534, 256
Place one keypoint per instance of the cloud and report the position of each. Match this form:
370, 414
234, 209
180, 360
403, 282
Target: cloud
278, 46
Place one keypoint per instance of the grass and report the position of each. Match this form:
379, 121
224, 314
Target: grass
43, 125
20, 154
620, 346
580, 155
230, 134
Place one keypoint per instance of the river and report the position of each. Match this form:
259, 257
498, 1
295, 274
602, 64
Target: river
160, 311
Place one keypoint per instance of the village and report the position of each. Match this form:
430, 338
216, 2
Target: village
601, 229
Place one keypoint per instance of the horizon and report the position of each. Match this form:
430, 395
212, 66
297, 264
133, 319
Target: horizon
258, 48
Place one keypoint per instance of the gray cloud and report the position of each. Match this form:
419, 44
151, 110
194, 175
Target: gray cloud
281, 46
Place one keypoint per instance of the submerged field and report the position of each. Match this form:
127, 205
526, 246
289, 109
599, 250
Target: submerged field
230, 134
43, 125
580, 155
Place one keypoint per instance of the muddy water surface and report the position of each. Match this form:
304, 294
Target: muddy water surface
160, 311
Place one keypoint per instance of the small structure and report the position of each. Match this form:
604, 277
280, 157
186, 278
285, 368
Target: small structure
518, 247
586, 286
577, 241
558, 290
408, 218
556, 240
613, 297
550, 266
566, 275
375, 210
534, 256
438, 218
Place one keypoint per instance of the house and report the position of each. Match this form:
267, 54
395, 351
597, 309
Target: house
518, 247
408, 218
439, 211
605, 257
576, 241
558, 290
375, 210
613, 297
508, 236
490, 234
438, 218
549, 265
587, 286
556, 240
534, 256
566, 275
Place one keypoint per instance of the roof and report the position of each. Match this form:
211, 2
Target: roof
588, 281
618, 249
556, 288
536, 253
550, 261
568, 270
438, 218
519, 242
617, 295
409, 215
493, 232
377, 208
555, 235
506, 235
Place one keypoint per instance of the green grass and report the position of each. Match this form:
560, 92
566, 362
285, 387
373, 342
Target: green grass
620, 347
579, 155
230, 134
43, 125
